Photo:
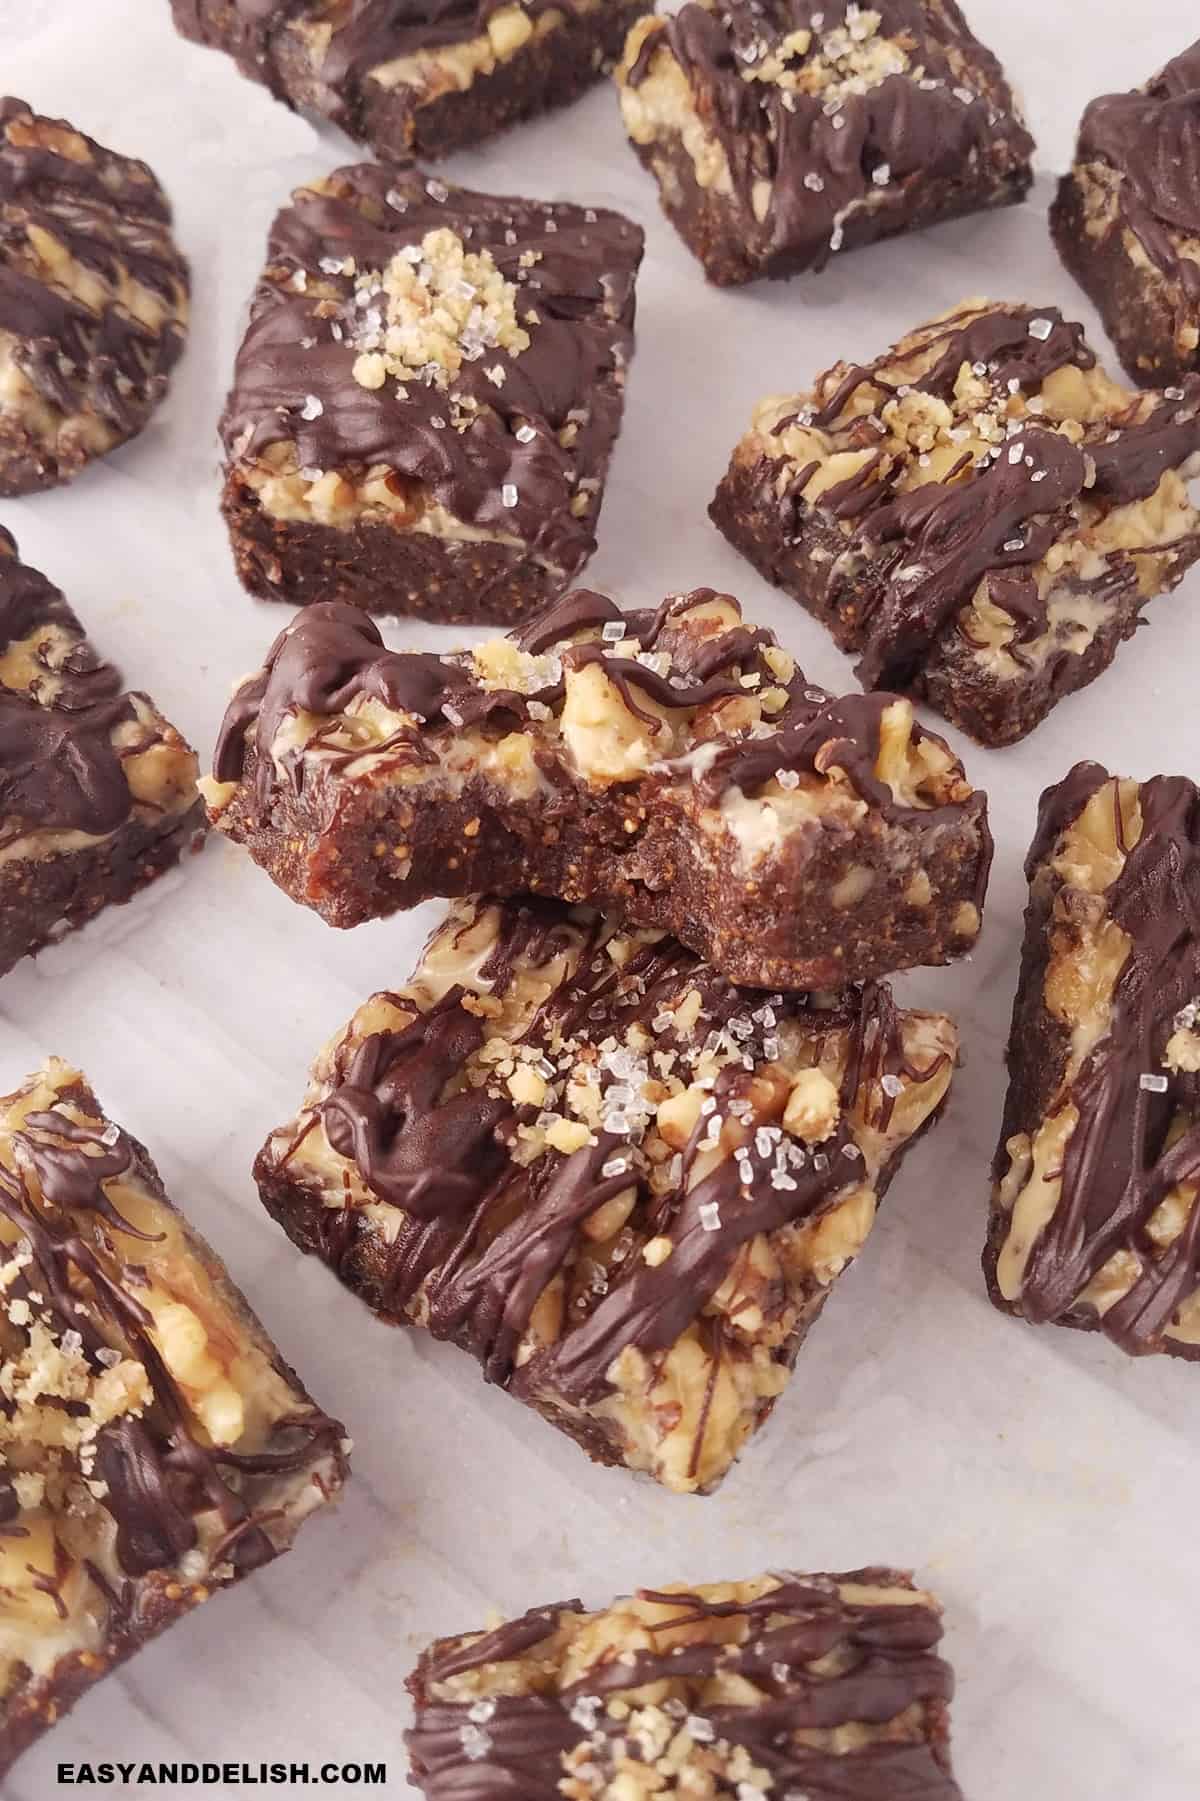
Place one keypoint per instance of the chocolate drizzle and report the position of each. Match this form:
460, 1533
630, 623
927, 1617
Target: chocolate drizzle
331, 653
1151, 138
59, 767
484, 1234
883, 1659
261, 35
530, 424
1132, 1145
931, 545
837, 167
111, 216
161, 1472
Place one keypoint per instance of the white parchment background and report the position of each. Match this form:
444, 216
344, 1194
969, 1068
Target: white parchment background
1041, 1482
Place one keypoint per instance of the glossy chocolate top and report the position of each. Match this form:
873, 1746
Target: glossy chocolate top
112, 217
453, 1157
502, 442
1137, 1138
59, 767
83, 1281
332, 653
1152, 138
880, 1664
367, 34
835, 111
998, 515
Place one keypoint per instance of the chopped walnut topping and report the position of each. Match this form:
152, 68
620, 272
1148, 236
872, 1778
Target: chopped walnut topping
436, 305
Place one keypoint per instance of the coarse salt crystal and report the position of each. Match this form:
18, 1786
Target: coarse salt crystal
892, 1085
612, 631
312, 408
788, 778
480, 1712
814, 183
525, 434
710, 1221
1041, 329
475, 1743
508, 494
451, 713
1152, 1084
703, 1731
437, 190
882, 175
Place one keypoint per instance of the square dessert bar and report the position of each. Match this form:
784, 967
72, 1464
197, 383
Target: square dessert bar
155, 1448
672, 764
97, 791
981, 513
1126, 220
623, 1185
781, 131
1095, 1221
427, 397
423, 76
778, 1688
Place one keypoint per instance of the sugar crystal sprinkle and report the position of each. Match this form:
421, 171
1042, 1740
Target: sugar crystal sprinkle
891, 1085
1152, 1084
312, 408
710, 1221
508, 494
1040, 329
703, 1731
475, 1742
480, 1712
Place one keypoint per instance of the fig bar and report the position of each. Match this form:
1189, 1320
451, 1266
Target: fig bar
981, 513
782, 131
783, 1686
1095, 1221
672, 764
624, 1186
428, 76
93, 299
97, 792
427, 397
1127, 220
155, 1448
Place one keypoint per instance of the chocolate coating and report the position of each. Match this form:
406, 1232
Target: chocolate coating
528, 463
344, 66
894, 562
1137, 1136
1151, 139
66, 730
864, 163
169, 1512
886, 1666
86, 358
497, 1196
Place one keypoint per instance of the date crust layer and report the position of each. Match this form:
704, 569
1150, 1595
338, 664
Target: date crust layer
981, 513
672, 765
1126, 220
415, 86
625, 1186
156, 1448
1094, 1220
781, 1685
97, 791
427, 397
781, 134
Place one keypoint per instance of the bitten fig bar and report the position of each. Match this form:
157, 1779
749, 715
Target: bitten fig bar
155, 1448
623, 1185
428, 76
1126, 220
783, 131
427, 397
780, 1687
1095, 1221
981, 513
97, 791
93, 299
673, 764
